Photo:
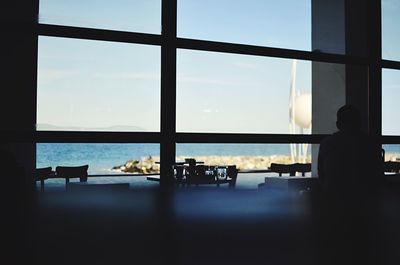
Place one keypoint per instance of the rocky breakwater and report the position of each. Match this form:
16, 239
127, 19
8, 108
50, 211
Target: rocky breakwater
244, 163
144, 165
147, 165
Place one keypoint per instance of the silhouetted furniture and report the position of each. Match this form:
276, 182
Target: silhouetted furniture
302, 168
190, 161
191, 174
41, 174
211, 174
86, 186
283, 169
231, 176
69, 172
196, 174
187, 175
391, 167
391, 171
290, 181
290, 169
179, 172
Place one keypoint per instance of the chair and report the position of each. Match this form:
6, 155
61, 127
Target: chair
228, 175
283, 169
41, 174
391, 167
196, 174
231, 174
178, 172
302, 168
291, 182
280, 169
190, 161
69, 172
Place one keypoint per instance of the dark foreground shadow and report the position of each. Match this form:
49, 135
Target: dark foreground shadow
199, 226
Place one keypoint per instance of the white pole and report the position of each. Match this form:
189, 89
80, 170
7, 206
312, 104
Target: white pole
292, 111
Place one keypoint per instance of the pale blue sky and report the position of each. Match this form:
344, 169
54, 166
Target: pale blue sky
390, 29
119, 84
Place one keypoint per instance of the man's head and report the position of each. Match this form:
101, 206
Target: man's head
348, 118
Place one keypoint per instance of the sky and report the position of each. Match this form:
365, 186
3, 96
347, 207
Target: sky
97, 85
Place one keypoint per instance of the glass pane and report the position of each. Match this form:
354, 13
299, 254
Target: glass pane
392, 152
334, 85
390, 102
108, 163
97, 86
125, 15
283, 24
219, 92
101, 158
390, 29
248, 158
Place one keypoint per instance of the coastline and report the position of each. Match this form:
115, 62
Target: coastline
392, 157
146, 165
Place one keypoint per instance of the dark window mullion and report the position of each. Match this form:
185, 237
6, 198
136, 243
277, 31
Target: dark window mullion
391, 139
168, 90
268, 51
375, 69
97, 137
391, 64
98, 34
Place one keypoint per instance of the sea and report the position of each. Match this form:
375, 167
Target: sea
101, 158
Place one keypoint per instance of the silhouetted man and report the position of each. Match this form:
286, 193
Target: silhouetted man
348, 160
349, 169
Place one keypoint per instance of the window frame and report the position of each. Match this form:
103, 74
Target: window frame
170, 43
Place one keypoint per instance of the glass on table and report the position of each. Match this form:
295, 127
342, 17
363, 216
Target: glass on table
210, 170
179, 172
221, 172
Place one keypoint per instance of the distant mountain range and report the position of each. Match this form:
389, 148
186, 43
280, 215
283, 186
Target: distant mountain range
115, 128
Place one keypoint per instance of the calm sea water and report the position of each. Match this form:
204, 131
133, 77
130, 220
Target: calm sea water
102, 157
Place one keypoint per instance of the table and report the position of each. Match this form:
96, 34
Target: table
289, 183
208, 174
85, 186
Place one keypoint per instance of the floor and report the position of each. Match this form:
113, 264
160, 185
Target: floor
201, 226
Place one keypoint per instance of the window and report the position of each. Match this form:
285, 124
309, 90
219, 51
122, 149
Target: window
283, 24
252, 160
245, 156
107, 159
86, 85
108, 75
392, 152
124, 15
390, 102
390, 30
108, 163
221, 92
